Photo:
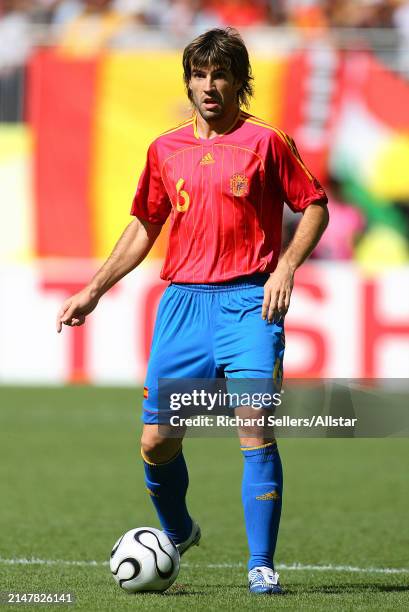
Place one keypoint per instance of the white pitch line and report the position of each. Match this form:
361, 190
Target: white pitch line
36, 561
282, 566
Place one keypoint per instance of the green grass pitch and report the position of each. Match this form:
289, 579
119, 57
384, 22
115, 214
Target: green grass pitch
71, 483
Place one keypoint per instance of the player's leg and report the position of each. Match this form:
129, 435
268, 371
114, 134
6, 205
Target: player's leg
180, 349
166, 479
262, 488
254, 349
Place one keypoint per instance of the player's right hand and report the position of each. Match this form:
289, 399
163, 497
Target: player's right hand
76, 308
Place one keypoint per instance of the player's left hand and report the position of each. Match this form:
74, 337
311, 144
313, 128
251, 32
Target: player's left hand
277, 292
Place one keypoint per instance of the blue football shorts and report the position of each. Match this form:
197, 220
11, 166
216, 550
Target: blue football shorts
213, 331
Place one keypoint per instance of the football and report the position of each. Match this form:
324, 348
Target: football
144, 559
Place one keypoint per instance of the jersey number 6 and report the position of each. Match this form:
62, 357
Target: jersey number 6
182, 197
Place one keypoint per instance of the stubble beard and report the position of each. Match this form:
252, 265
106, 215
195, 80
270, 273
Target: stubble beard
209, 115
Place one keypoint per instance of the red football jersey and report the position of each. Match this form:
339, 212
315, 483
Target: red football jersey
225, 196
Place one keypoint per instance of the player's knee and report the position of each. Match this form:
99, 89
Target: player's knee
150, 444
158, 449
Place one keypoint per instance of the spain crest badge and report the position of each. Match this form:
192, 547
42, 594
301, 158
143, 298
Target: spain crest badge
239, 185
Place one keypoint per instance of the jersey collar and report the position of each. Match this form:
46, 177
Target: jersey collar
196, 133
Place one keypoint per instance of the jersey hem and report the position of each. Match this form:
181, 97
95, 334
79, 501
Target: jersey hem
252, 278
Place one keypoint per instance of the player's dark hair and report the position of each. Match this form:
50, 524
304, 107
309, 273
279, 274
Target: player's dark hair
221, 49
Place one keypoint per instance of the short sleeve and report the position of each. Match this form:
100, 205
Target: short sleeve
151, 201
299, 187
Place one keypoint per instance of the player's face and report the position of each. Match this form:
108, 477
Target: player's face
214, 92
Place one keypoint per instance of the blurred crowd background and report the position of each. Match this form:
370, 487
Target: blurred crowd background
92, 24
240, 13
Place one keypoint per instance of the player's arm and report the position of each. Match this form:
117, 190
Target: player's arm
132, 247
278, 288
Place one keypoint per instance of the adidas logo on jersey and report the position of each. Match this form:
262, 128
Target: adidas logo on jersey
207, 159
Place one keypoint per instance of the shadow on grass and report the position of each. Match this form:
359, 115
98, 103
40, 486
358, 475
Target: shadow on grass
172, 594
304, 589
181, 590
178, 590
349, 588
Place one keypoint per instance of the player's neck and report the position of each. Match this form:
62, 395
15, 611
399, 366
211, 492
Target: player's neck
211, 129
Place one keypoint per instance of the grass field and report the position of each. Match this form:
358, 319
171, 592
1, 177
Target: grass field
71, 483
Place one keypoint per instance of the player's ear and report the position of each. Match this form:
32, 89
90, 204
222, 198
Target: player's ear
189, 93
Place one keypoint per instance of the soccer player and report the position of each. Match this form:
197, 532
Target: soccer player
222, 176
